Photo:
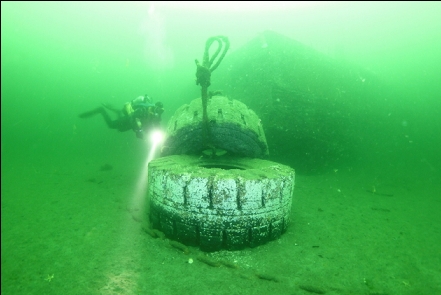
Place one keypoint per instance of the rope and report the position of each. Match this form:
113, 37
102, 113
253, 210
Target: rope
203, 77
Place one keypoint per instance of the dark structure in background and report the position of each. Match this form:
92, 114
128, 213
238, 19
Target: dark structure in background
312, 107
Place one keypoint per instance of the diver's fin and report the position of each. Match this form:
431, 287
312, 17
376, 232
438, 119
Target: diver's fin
91, 113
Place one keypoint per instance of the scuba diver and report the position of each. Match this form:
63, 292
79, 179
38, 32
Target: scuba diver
140, 115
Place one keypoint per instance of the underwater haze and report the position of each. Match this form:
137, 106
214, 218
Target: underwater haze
349, 95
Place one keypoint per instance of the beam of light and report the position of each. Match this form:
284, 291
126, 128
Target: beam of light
234, 6
156, 139
157, 53
125, 279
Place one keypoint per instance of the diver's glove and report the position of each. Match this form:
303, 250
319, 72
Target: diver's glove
139, 134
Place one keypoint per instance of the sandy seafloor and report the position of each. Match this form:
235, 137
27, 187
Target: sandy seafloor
69, 228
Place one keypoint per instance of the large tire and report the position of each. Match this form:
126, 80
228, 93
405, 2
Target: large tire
223, 203
232, 127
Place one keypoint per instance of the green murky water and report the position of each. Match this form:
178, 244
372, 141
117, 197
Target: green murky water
349, 95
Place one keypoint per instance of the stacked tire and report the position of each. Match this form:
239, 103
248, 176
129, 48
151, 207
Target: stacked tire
233, 128
220, 202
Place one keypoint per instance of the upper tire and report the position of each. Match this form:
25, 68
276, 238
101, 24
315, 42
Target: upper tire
232, 127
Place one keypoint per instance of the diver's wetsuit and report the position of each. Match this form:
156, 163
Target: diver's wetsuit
137, 115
